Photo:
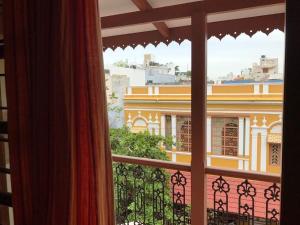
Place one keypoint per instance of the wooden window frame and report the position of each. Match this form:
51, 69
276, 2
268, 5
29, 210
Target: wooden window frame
187, 135
224, 138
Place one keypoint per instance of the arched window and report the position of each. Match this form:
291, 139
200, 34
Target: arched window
225, 133
139, 125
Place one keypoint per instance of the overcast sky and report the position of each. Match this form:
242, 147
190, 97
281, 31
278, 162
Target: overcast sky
228, 55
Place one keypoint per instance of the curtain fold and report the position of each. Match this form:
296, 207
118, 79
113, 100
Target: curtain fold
58, 129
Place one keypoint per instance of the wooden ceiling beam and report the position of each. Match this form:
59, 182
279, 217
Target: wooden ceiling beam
144, 5
181, 11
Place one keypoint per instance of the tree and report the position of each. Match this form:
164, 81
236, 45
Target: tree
114, 110
124, 142
177, 70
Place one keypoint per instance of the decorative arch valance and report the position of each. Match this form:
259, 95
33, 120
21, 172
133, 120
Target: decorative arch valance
234, 28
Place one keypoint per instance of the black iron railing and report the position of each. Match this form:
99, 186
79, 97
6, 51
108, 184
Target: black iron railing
148, 192
157, 192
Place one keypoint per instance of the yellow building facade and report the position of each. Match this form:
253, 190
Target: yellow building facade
244, 122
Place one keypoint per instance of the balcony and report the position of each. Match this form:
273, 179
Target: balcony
151, 191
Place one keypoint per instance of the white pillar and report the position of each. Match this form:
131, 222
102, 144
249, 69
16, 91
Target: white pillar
174, 158
241, 136
173, 123
265, 88
254, 149
129, 90
256, 89
263, 150
241, 142
163, 125
129, 121
150, 124
156, 90
156, 129
208, 134
246, 165
209, 89
247, 136
156, 125
150, 90
208, 161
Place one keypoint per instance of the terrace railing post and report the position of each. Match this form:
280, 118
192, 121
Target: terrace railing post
199, 39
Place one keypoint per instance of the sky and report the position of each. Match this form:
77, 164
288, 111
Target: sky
223, 57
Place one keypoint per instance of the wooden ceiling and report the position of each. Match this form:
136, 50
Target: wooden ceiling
142, 22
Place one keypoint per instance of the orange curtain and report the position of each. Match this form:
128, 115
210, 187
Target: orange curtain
58, 130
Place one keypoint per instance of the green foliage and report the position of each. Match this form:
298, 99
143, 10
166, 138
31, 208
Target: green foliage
122, 63
124, 142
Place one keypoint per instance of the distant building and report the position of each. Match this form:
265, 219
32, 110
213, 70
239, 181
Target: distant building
150, 72
244, 122
265, 70
116, 87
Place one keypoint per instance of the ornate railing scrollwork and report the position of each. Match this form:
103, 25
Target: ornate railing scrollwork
157, 195
123, 194
158, 189
147, 195
272, 194
179, 182
220, 188
139, 195
246, 193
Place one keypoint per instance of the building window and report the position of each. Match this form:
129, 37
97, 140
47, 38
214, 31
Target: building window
225, 133
184, 134
275, 152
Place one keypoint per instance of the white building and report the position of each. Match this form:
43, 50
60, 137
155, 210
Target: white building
265, 70
148, 73
116, 87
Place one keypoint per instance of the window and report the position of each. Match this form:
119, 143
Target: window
275, 152
225, 136
184, 134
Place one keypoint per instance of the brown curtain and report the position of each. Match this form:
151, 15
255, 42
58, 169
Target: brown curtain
58, 132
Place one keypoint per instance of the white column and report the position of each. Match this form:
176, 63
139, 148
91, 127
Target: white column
129, 121
150, 90
209, 89
174, 158
241, 136
156, 129
254, 149
265, 88
241, 142
150, 124
247, 142
256, 89
163, 125
173, 123
156, 125
156, 90
129, 90
246, 165
247, 136
263, 150
208, 161
208, 134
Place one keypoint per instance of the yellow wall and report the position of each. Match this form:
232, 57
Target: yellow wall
177, 101
224, 163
